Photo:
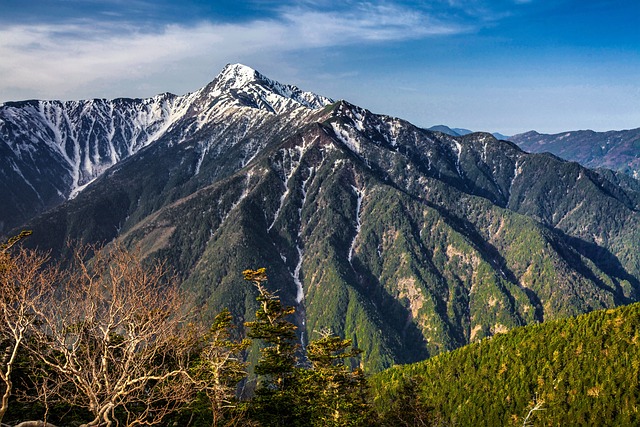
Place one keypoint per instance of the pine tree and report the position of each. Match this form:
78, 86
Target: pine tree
328, 393
336, 394
275, 403
218, 370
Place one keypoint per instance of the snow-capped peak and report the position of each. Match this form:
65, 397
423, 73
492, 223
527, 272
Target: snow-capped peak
245, 86
234, 76
77, 141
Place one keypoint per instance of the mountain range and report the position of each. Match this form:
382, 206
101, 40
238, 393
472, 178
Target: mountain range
408, 241
462, 131
617, 150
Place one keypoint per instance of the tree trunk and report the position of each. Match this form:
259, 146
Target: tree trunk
5, 398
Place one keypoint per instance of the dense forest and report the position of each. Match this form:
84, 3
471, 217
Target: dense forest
109, 339
576, 371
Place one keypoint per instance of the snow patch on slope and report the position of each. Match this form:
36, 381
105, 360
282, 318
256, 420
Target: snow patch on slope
351, 142
360, 195
296, 271
91, 136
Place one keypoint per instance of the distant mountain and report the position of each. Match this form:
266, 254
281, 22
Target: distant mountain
445, 129
579, 371
408, 241
616, 150
461, 132
498, 135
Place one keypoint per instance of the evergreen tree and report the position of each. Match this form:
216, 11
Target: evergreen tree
218, 370
275, 401
336, 394
328, 393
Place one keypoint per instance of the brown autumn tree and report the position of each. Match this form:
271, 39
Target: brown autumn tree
114, 337
24, 279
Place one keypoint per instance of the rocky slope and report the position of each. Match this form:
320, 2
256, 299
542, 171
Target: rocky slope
51, 150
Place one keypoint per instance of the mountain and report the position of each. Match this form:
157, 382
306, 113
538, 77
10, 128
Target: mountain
51, 150
580, 371
616, 150
445, 129
499, 135
408, 241
461, 131
450, 131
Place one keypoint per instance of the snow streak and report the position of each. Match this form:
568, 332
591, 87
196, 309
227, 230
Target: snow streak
245, 193
517, 169
296, 277
459, 152
296, 271
360, 194
301, 150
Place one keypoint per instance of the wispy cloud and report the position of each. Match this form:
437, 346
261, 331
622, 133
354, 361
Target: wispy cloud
483, 10
48, 60
367, 22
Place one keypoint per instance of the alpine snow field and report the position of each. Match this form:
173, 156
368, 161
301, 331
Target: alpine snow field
410, 242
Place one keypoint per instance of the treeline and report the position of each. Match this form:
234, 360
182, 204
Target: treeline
108, 340
575, 371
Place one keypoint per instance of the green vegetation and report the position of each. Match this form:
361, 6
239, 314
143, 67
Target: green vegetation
326, 393
110, 340
138, 357
407, 242
579, 371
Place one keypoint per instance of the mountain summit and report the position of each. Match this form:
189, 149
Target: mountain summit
51, 149
249, 87
407, 241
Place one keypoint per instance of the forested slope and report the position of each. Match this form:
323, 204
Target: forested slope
580, 371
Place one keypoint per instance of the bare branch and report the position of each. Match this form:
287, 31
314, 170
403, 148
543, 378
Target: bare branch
116, 335
23, 280
537, 406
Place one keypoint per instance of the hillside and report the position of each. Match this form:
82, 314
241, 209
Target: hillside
581, 371
616, 150
409, 242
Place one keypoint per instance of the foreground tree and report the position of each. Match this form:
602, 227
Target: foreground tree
219, 368
23, 280
114, 337
274, 402
329, 393
336, 394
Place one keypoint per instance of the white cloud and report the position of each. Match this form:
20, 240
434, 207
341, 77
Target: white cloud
368, 22
49, 60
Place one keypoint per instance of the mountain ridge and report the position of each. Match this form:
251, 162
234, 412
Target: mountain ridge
578, 370
616, 150
71, 143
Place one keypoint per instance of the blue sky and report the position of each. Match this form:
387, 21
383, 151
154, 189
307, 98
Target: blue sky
496, 65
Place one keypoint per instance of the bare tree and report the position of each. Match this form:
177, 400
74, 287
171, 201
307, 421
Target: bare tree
114, 334
23, 280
